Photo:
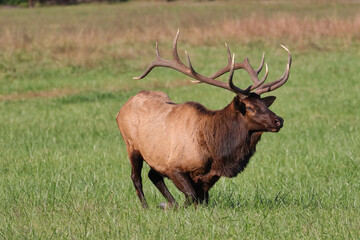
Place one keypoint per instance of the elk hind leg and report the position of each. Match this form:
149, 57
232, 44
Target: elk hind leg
158, 180
136, 161
184, 183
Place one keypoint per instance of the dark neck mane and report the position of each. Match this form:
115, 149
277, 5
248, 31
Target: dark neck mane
227, 141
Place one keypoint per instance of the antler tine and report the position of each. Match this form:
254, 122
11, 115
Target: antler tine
231, 74
229, 53
231, 84
210, 81
191, 68
189, 62
155, 63
256, 85
246, 66
279, 82
174, 50
226, 68
254, 74
261, 64
159, 62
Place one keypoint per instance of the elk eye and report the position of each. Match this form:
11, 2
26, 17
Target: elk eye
250, 109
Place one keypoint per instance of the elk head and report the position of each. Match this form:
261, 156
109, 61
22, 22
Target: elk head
256, 113
252, 108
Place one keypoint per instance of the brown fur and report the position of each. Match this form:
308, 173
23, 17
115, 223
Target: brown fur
190, 144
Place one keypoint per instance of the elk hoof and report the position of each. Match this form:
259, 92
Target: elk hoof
166, 206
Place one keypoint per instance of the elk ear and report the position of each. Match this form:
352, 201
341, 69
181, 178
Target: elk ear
240, 105
268, 100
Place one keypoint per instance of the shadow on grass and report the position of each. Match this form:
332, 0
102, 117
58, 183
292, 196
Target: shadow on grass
260, 199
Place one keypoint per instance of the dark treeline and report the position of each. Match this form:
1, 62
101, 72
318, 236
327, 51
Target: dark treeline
33, 3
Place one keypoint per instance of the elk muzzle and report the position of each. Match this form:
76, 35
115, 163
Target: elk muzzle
278, 123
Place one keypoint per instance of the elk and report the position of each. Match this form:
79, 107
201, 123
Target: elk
190, 144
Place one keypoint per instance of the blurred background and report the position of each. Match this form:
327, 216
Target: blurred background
66, 68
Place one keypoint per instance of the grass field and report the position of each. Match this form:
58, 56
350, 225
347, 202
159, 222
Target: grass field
66, 71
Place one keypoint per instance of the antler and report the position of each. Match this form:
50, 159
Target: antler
178, 65
254, 73
247, 67
281, 81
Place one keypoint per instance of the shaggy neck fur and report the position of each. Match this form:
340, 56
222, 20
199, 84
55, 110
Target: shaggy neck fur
228, 141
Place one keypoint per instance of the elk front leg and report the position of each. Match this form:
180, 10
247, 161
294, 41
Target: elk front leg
184, 183
202, 195
202, 187
136, 161
158, 181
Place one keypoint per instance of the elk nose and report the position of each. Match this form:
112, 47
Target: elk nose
279, 122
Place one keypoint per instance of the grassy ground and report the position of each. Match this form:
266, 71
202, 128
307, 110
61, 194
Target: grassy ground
66, 71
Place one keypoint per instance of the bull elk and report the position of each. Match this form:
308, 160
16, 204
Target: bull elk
190, 144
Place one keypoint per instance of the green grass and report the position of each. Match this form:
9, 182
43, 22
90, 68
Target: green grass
64, 172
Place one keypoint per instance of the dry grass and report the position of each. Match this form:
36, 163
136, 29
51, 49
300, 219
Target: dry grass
86, 35
66, 37
295, 30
